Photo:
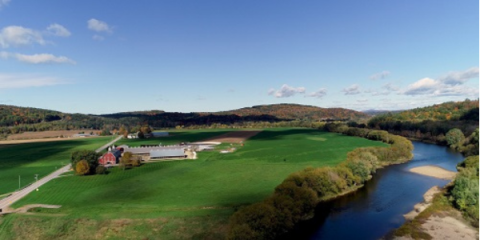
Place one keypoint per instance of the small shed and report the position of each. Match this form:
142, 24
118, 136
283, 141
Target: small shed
110, 158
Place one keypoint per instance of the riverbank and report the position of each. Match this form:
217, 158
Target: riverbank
438, 221
442, 219
434, 171
296, 198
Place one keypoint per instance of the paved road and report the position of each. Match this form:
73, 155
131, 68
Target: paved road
6, 202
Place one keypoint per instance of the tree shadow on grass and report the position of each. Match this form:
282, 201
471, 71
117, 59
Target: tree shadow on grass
26, 153
269, 135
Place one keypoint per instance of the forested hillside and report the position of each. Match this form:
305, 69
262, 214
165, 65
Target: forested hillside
15, 119
465, 110
12, 115
296, 111
434, 123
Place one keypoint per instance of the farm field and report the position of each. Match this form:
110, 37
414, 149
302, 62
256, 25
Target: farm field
40, 158
47, 134
177, 199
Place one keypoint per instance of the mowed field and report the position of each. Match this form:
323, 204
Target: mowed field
177, 199
27, 159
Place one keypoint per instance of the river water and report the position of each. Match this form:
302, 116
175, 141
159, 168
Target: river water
377, 208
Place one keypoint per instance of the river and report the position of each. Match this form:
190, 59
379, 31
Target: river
377, 208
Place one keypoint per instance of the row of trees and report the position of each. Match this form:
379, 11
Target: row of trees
296, 197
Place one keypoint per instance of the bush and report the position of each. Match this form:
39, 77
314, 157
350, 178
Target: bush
454, 137
465, 191
100, 169
82, 168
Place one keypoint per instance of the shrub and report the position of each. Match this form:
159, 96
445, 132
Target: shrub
82, 167
100, 169
454, 137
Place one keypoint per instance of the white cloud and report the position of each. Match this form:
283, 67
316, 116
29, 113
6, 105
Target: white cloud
318, 94
98, 26
36, 58
422, 86
390, 87
3, 3
26, 81
386, 89
449, 85
459, 77
286, 91
19, 36
43, 58
58, 30
352, 90
364, 100
380, 75
98, 37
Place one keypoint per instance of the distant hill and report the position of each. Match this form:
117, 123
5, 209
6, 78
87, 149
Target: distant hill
430, 123
297, 112
14, 119
463, 110
13, 115
373, 112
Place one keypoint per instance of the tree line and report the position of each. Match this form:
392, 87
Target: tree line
296, 197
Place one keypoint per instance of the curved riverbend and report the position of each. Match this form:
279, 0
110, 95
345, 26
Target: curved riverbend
377, 208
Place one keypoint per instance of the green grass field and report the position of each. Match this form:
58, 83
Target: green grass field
27, 159
200, 193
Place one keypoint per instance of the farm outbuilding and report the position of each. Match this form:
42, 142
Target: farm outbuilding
110, 158
168, 153
159, 134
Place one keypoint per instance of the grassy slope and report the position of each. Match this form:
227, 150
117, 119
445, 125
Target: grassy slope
214, 184
40, 158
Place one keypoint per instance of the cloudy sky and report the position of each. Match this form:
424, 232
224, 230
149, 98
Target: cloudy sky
111, 56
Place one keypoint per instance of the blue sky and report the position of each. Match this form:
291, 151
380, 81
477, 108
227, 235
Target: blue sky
187, 56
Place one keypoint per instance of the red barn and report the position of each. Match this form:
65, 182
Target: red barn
111, 157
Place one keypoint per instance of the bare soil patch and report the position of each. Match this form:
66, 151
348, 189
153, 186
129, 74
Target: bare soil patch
45, 136
233, 137
449, 228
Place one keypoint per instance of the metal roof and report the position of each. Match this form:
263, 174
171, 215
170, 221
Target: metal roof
170, 152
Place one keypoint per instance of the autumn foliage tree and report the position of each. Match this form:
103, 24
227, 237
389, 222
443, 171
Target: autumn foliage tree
82, 168
91, 157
